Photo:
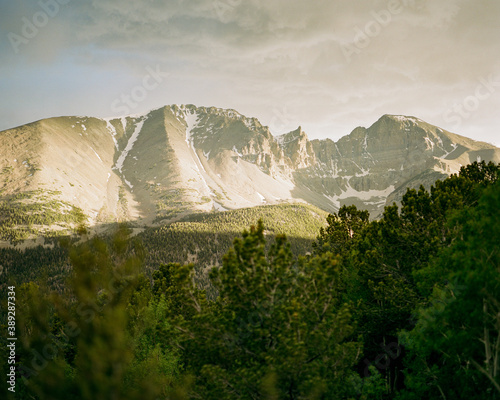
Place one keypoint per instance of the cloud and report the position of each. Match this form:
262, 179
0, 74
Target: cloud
257, 55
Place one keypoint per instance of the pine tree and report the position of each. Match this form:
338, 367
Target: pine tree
277, 326
456, 343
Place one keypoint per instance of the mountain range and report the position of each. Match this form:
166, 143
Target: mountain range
179, 160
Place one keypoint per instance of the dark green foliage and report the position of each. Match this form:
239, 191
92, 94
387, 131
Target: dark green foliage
405, 307
341, 230
202, 239
276, 326
456, 343
49, 265
389, 267
97, 341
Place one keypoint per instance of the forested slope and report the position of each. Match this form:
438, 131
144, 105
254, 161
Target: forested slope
202, 239
405, 307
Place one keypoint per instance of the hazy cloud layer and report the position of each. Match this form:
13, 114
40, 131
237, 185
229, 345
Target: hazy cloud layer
328, 65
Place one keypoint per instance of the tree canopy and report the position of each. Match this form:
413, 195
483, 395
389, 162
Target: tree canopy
404, 307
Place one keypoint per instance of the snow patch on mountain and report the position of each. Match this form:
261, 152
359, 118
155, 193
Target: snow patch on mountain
373, 197
429, 143
191, 119
454, 147
364, 172
402, 118
128, 184
249, 123
280, 139
130, 144
365, 195
112, 131
95, 152
237, 152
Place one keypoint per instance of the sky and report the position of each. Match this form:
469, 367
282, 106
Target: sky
326, 65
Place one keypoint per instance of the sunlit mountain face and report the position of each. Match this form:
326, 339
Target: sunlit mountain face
178, 160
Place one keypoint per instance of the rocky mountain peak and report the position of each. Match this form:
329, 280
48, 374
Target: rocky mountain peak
182, 159
292, 136
400, 118
297, 147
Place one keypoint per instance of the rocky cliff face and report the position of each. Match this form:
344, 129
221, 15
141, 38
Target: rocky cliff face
177, 160
373, 166
298, 149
